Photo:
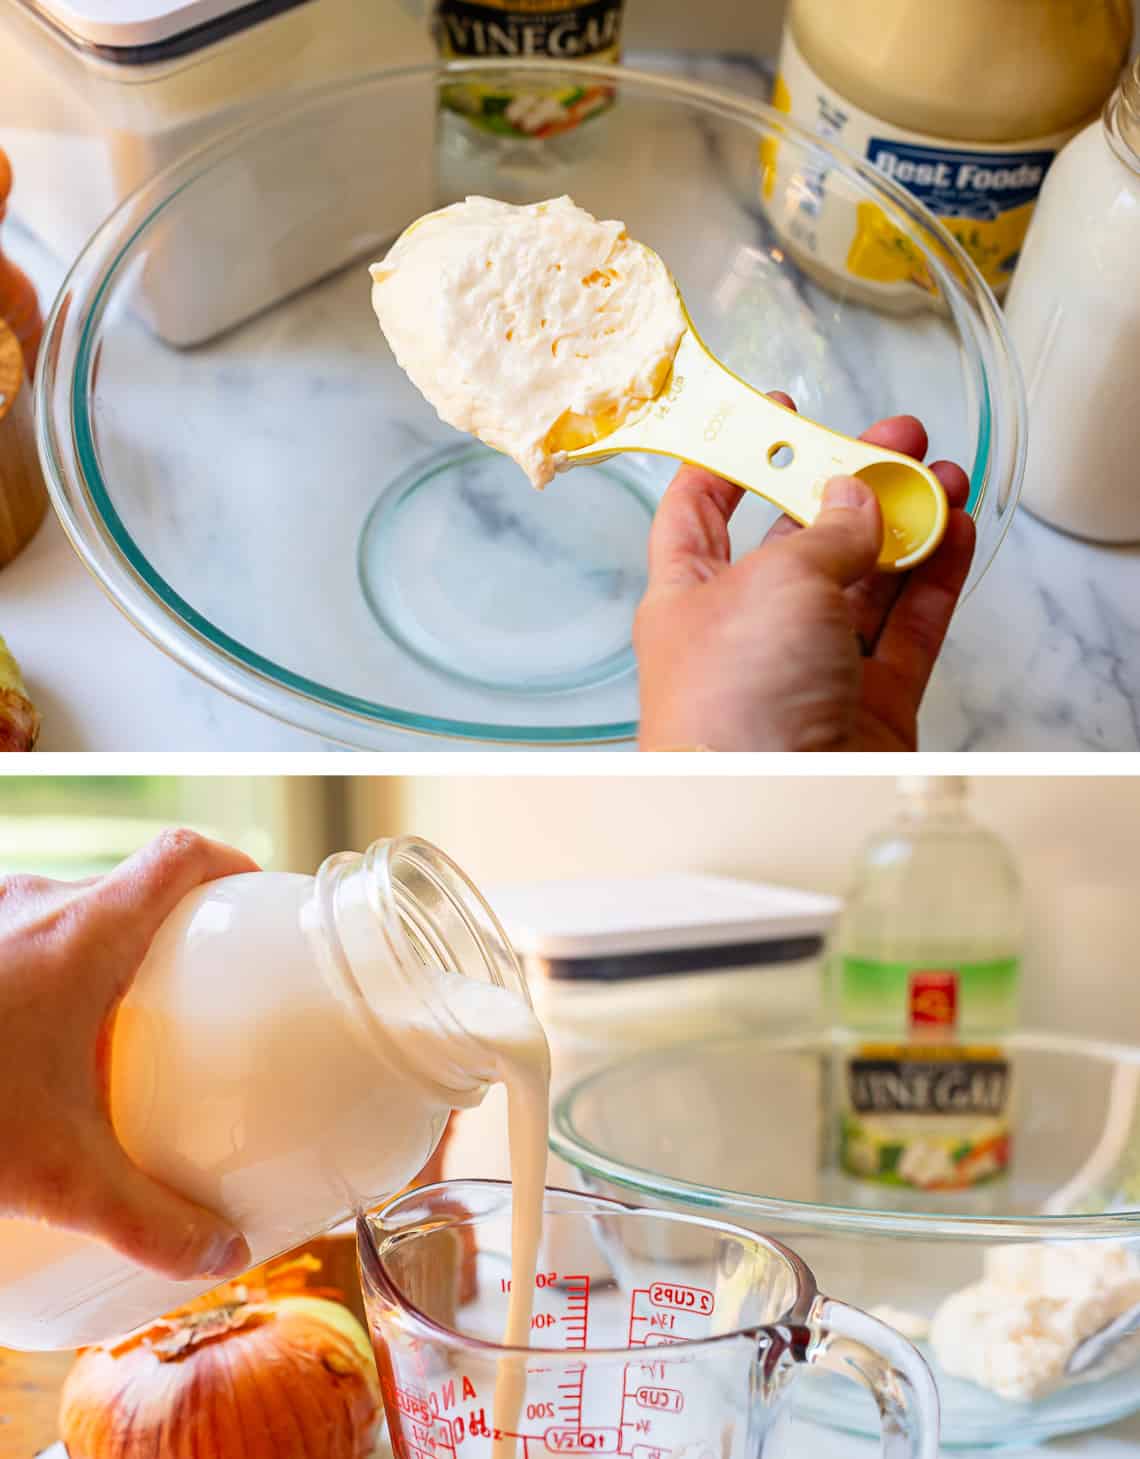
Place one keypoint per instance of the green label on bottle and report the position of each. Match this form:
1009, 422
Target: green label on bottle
923, 1107
879, 996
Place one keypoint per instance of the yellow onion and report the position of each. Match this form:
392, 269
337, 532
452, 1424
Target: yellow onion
255, 1370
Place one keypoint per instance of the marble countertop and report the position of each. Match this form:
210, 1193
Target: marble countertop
1045, 655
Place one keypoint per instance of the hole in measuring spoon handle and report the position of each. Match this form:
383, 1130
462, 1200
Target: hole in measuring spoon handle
781, 455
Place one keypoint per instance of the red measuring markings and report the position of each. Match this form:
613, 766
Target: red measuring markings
576, 1320
654, 1396
682, 1299
436, 1423
424, 1434
570, 1397
664, 1400
474, 1424
582, 1441
675, 1314
414, 1405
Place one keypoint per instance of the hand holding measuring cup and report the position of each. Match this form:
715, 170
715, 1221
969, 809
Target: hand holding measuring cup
695, 1347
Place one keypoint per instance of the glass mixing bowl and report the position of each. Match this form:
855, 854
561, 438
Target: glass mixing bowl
237, 457
742, 1130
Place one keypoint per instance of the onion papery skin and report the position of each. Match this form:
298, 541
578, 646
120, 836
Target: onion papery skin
279, 1378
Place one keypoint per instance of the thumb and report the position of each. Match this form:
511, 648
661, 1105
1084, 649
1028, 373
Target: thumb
844, 541
149, 1223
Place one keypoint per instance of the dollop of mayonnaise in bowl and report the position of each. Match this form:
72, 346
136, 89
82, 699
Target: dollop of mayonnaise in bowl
537, 328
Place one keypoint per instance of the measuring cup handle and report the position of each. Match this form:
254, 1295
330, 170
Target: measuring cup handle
848, 1342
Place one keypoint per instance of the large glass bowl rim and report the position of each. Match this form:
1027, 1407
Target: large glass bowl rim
568, 1142
81, 498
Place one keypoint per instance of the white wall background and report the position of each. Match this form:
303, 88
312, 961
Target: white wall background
1077, 840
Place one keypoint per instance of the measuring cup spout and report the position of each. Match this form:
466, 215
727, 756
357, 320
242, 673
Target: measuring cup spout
853, 1345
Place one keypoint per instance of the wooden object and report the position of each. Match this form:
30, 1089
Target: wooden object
23, 496
18, 303
29, 1401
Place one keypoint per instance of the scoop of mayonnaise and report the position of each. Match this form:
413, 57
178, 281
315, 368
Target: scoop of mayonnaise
537, 328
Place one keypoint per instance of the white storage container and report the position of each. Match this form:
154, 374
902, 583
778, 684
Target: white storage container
96, 96
618, 966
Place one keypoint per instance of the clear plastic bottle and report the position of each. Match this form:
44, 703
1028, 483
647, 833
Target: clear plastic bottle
924, 988
289, 1052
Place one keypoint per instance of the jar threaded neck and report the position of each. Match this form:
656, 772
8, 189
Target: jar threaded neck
391, 920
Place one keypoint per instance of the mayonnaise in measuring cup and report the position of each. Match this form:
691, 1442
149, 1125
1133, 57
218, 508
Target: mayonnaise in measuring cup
537, 328
965, 104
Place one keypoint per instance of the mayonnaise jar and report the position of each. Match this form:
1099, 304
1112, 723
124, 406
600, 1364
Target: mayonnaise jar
964, 104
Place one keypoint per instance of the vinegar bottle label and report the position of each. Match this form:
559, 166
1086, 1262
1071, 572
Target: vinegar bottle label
512, 30
929, 1110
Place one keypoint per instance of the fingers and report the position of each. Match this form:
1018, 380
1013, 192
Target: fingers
689, 541
870, 600
903, 433
955, 482
915, 629
138, 896
148, 1223
783, 526
906, 434
846, 537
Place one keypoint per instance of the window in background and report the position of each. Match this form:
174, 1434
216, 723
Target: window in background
80, 825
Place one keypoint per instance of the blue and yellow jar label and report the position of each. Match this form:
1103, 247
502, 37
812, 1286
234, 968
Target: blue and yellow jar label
983, 195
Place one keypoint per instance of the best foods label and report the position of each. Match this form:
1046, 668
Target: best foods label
984, 195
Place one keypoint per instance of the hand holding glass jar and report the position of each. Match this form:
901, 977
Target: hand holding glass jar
68, 954
281, 1049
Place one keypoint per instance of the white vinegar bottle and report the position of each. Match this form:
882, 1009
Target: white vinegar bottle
288, 1053
924, 988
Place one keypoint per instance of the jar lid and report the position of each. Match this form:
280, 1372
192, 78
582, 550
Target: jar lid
599, 920
137, 32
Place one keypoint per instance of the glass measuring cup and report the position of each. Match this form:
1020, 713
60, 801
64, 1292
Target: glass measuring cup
689, 1350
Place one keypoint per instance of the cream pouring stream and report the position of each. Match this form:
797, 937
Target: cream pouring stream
519, 1058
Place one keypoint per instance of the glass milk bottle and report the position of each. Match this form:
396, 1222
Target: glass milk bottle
1074, 318
925, 980
289, 1052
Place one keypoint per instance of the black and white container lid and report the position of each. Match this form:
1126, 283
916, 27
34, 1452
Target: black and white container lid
618, 929
141, 32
